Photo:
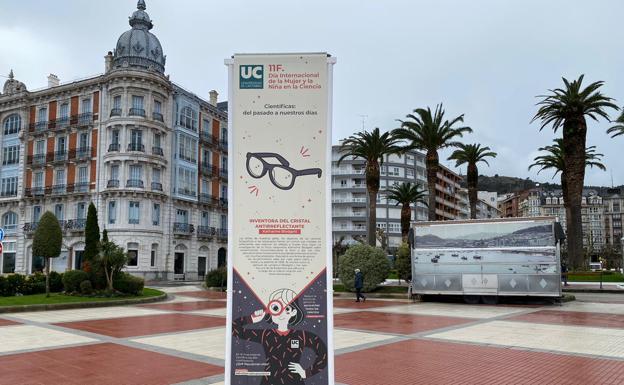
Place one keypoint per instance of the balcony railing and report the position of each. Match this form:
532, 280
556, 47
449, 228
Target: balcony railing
83, 152
37, 159
137, 112
207, 199
207, 138
79, 187
112, 183
59, 189
75, 224
134, 183
206, 231
84, 119
35, 191
222, 233
186, 191
223, 173
30, 227
114, 147
208, 169
60, 156
115, 112
183, 228
157, 186
158, 151
41, 126
61, 123
158, 116
136, 147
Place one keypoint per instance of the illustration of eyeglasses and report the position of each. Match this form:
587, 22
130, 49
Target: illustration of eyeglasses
281, 174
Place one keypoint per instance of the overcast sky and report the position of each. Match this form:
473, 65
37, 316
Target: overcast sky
485, 59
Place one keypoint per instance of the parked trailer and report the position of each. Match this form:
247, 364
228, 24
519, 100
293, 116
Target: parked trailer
487, 258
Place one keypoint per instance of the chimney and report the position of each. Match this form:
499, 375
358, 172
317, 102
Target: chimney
53, 81
213, 97
108, 62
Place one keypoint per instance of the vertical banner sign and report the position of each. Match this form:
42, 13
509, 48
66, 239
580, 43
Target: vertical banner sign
279, 293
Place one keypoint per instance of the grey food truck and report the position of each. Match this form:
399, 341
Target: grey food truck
484, 259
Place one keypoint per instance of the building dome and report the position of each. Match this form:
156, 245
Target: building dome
12, 86
138, 47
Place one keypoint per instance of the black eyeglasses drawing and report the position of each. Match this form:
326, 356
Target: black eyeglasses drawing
282, 175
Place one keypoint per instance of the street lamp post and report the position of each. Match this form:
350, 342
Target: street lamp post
622, 244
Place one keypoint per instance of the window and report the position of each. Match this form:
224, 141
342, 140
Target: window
223, 221
187, 182
84, 140
36, 214
135, 172
409, 173
10, 155
58, 211
86, 106
133, 213
187, 148
114, 172
60, 144
83, 175
9, 187
133, 254
112, 212
115, 136
206, 126
205, 186
224, 163
224, 192
188, 118
64, 111
9, 221
157, 106
206, 157
12, 124
81, 210
136, 140
154, 254
137, 103
43, 114
205, 218
39, 179
60, 177
8, 258
156, 140
182, 216
156, 175
156, 214
39, 147
117, 102
224, 134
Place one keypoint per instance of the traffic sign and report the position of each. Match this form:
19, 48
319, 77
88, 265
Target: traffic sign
1, 248
1, 234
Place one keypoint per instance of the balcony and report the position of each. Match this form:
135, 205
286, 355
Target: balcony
207, 199
41, 126
112, 183
75, 224
59, 189
115, 112
208, 169
158, 151
30, 227
136, 147
157, 186
180, 228
79, 187
223, 173
35, 191
84, 119
158, 116
223, 202
206, 231
83, 153
222, 234
134, 183
37, 159
61, 123
114, 147
137, 112
223, 144
60, 156
207, 138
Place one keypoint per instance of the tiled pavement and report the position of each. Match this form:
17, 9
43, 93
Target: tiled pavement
377, 342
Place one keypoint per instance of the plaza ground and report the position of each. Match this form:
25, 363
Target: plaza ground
378, 342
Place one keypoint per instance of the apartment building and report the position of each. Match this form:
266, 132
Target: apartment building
613, 211
150, 155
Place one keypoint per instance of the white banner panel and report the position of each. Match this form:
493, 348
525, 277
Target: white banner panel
279, 294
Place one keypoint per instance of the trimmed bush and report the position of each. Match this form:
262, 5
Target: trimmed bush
372, 262
72, 280
217, 278
16, 284
403, 263
85, 287
128, 284
4, 286
56, 282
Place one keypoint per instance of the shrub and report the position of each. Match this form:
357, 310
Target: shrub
372, 262
72, 280
16, 284
217, 278
85, 287
128, 284
403, 263
56, 282
4, 286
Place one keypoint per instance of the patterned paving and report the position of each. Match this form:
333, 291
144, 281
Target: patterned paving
377, 342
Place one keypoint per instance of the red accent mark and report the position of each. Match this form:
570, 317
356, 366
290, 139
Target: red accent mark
253, 189
304, 152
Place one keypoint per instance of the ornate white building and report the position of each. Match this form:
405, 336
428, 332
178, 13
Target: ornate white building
150, 155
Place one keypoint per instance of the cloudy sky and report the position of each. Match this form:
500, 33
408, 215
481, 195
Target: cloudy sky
485, 59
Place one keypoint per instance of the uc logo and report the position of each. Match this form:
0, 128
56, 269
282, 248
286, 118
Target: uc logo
251, 76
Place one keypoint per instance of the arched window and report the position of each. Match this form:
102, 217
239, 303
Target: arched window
9, 221
12, 124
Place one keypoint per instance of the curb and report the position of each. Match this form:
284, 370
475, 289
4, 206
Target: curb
81, 305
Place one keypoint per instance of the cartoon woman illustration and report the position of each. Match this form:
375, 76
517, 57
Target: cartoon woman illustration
283, 346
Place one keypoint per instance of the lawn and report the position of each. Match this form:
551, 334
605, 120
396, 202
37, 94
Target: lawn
56, 298
609, 277
339, 288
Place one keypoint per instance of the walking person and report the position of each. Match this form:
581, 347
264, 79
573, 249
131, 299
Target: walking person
359, 285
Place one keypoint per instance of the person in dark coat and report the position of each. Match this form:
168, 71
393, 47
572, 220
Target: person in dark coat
359, 285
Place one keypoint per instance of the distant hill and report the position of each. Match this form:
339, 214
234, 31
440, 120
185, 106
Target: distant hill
508, 184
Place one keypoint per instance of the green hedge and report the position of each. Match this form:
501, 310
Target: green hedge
128, 284
217, 278
371, 261
29, 284
72, 280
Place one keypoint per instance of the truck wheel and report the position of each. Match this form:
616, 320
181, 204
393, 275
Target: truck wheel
471, 299
489, 299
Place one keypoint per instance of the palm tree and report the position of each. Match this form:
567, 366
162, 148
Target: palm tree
618, 129
372, 147
406, 194
472, 154
567, 108
430, 132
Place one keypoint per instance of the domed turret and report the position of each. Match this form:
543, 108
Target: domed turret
138, 47
12, 86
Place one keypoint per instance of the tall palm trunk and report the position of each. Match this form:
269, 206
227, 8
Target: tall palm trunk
574, 137
406, 218
372, 185
472, 181
432, 179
